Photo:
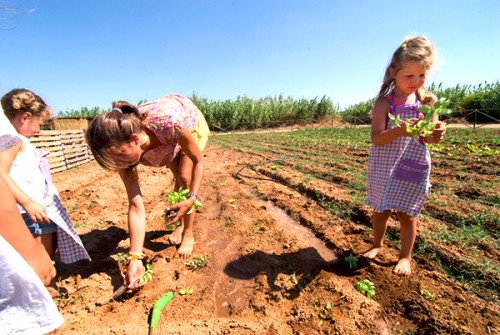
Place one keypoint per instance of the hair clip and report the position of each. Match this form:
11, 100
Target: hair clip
117, 110
403, 46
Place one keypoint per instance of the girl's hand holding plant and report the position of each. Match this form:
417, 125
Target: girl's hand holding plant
437, 133
432, 131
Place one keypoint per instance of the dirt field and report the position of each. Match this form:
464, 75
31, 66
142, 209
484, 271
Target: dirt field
275, 263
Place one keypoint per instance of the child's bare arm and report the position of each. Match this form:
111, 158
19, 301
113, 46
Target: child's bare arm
36, 211
381, 136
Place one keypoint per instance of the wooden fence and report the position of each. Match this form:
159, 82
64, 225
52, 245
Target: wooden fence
67, 148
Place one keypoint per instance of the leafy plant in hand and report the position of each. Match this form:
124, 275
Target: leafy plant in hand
174, 197
366, 286
424, 126
145, 278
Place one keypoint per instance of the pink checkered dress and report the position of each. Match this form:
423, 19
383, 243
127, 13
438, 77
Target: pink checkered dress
398, 172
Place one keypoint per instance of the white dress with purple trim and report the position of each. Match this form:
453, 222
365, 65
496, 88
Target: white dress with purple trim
31, 173
398, 172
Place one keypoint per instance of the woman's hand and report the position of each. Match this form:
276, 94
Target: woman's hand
36, 212
182, 208
134, 271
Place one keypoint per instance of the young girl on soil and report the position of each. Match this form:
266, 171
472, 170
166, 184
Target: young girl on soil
27, 173
169, 131
399, 165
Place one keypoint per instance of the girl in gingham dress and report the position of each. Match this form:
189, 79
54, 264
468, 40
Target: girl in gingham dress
399, 165
170, 132
27, 173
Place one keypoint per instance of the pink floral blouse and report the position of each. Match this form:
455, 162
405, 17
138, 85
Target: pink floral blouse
167, 118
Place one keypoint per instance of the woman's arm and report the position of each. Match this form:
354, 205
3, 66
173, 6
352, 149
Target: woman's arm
381, 136
36, 211
136, 226
190, 148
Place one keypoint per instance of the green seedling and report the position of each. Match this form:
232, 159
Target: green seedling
197, 263
325, 313
145, 278
365, 286
174, 197
427, 295
424, 126
352, 261
158, 307
186, 291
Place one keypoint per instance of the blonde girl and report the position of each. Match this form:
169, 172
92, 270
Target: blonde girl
27, 173
170, 132
399, 165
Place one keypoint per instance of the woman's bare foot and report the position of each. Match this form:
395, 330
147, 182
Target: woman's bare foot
186, 248
372, 252
403, 267
176, 237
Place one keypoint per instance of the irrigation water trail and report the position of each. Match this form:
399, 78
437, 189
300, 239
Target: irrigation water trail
299, 229
232, 291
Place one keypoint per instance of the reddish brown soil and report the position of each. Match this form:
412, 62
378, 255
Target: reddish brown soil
263, 276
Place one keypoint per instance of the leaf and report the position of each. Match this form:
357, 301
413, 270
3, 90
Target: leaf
352, 261
366, 286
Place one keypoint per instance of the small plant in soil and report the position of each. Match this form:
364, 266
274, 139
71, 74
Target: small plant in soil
186, 291
424, 126
352, 261
197, 263
145, 278
366, 287
427, 295
325, 314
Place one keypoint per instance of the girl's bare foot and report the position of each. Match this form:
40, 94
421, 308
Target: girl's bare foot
186, 248
176, 237
403, 267
372, 252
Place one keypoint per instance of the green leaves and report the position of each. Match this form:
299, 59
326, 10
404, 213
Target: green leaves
365, 286
352, 261
424, 126
174, 197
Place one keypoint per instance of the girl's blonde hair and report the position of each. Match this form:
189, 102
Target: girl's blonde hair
20, 100
413, 49
113, 129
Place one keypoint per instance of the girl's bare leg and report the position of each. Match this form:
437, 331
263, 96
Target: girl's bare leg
408, 232
49, 242
379, 225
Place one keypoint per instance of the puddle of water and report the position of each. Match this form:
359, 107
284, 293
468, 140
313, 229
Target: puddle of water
292, 225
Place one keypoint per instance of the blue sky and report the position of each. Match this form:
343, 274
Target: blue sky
77, 53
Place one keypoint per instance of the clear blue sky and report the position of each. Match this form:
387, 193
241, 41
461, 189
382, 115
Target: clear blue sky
77, 53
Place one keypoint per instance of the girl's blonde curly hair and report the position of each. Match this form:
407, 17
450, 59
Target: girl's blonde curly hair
21, 100
413, 49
